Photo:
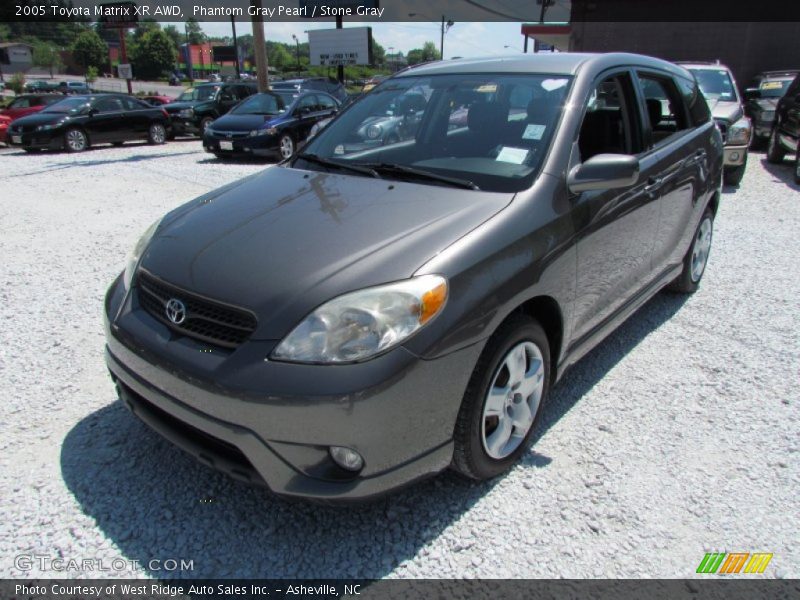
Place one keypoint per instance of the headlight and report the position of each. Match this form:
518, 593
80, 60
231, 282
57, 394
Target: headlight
133, 257
362, 324
186, 113
269, 131
374, 132
47, 127
739, 133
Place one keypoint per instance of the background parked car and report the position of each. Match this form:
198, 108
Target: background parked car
785, 136
197, 107
73, 87
40, 85
156, 100
321, 84
719, 87
267, 125
761, 99
4, 122
76, 123
27, 104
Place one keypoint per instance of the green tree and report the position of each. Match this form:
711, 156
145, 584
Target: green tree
17, 83
427, 53
195, 32
89, 50
280, 58
175, 35
378, 54
145, 26
91, 74
153, 54
47, 57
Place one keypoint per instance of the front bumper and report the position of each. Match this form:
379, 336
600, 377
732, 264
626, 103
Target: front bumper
46, 140
734, 156
272, 423
184, 126
260, 145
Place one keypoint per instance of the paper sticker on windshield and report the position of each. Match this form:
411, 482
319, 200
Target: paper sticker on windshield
533, 132
553, 84
510, 154
771, 85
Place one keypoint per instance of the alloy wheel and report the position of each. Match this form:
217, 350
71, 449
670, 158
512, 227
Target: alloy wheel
287, 147
512, 400
76, 140
157, 133
701, 249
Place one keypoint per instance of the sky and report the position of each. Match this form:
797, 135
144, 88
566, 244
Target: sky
463, 39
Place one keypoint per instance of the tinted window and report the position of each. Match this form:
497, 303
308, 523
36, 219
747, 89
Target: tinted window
21, 103
260, 104
611, 122
309, 101
665, 111
106, 105
459, 126
326, 102
134, 104
70, 105
774, 88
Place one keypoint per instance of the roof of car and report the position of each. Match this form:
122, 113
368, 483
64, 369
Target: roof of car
788, 74
560, 63
708, 66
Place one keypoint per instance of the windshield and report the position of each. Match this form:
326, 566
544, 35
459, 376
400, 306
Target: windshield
205, 92
775, 88
260, 104
489, 130
70, 105
287, 97
716, 84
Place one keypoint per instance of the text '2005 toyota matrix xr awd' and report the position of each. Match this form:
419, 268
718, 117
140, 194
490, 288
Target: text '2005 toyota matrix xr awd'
365, 315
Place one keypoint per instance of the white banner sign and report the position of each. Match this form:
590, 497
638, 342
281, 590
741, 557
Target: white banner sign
333, 47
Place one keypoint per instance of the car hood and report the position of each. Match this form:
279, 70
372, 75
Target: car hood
721, 109
174, 107
284, 241
41, 118
234, 122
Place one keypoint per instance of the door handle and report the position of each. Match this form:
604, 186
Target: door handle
653, 183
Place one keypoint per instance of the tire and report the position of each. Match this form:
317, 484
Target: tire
286, 146
775, 153
204, 124
156, 134
734, 175
797, 166
75, 140
479, 449
696, 259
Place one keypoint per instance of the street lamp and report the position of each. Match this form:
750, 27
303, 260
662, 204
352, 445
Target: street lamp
297, 51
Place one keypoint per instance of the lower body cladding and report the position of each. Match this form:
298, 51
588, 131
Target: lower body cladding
276, 426
263, 146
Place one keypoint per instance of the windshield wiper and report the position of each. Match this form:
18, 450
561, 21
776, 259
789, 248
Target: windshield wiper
397, 169
326, 162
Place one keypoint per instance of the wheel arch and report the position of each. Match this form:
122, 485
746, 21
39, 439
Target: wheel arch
546, 310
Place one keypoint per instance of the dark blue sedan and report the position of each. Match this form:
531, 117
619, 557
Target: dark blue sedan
268, 124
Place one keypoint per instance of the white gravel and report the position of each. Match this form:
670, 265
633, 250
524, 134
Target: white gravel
677, 436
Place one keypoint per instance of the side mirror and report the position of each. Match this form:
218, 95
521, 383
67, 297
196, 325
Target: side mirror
92, 111
752, 93
604, 172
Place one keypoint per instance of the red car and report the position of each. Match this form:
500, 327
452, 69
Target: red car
27, 104
4, 121
157, 100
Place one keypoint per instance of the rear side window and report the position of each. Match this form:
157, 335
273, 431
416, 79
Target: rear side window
695, 101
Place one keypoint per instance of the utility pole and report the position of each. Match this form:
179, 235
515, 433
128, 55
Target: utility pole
124, 55
236, 48
339, 68
441, 42
545, 4
260, 47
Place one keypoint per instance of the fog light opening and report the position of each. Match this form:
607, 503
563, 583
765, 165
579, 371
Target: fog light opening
734, 156
346, 458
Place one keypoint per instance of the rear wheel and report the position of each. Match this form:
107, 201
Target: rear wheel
75, 140
696, 259
157, 134
504, 399
775, 153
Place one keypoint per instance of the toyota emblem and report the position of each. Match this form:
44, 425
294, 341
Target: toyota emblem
176, 311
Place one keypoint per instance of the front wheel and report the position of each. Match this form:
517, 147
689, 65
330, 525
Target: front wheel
157, 134
504, 399
775, 153
696, 259
286, 146
734, 175
204, 124
75, 140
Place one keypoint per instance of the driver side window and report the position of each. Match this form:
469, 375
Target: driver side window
610, 123
108, 105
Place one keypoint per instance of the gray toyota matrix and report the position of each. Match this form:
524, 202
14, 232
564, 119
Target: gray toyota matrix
366, 315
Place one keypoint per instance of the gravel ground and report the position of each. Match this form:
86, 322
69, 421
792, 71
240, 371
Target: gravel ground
677, 436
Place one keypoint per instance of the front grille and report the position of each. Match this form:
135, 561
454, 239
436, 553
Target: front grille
722, 125
230, 134
213, 322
